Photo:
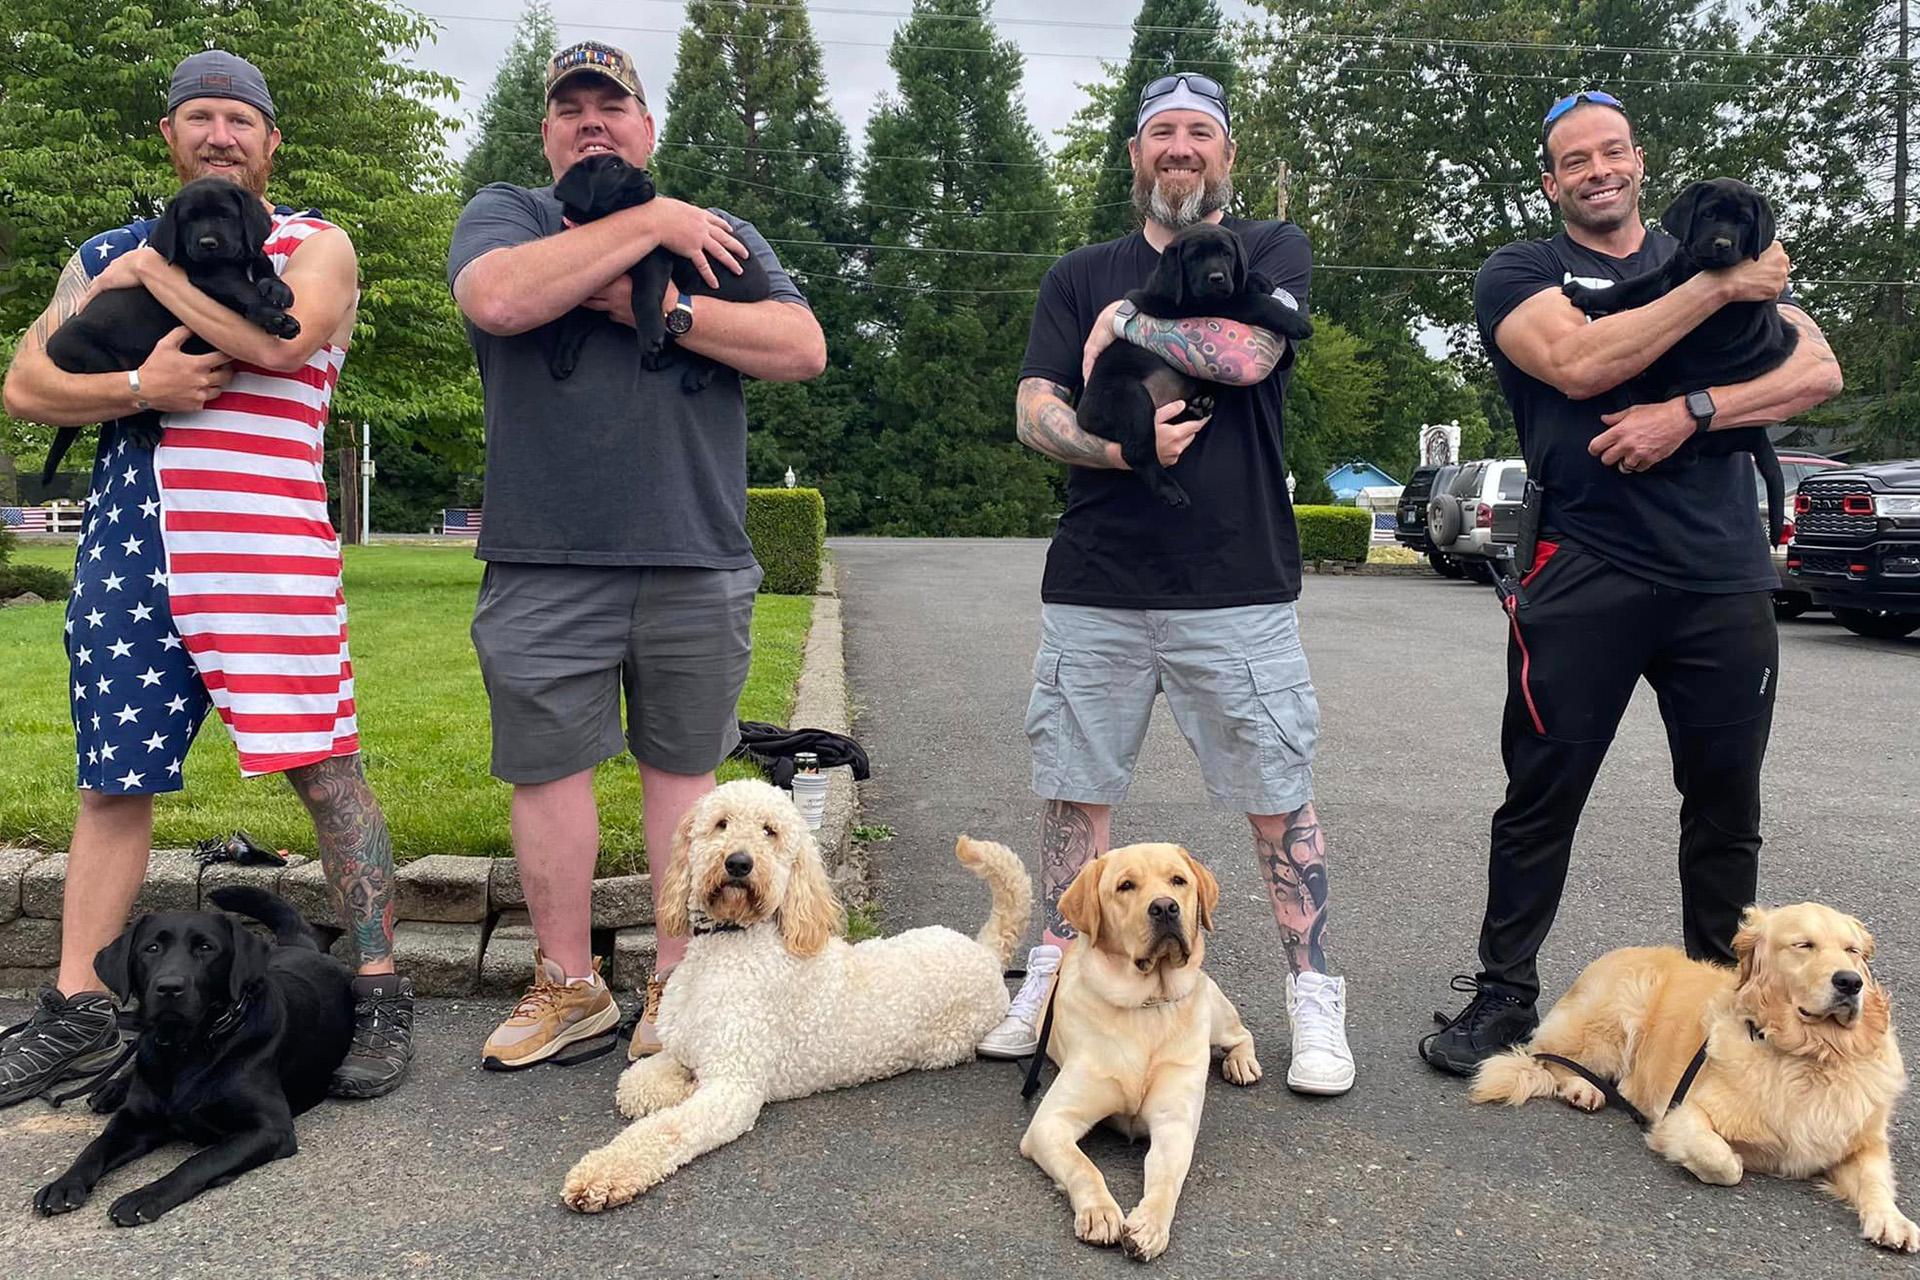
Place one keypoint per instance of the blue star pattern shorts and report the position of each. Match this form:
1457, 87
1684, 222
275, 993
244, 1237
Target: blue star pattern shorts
137, 697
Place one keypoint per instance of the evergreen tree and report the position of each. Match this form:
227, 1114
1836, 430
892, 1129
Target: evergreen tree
954, 189
508, 146
1080, 161
1169, 35
752, 132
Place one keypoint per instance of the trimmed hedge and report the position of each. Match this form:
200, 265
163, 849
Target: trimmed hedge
788, 528
18, 579
1334, 533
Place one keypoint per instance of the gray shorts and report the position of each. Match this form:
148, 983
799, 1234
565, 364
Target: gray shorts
558, 645
1236, 681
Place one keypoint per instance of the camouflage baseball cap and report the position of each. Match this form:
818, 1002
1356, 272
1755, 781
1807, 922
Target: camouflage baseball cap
590, 57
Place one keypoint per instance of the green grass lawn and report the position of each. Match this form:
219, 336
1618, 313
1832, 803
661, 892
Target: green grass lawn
423, 721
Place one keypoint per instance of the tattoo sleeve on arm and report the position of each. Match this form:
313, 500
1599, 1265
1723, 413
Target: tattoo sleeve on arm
355, 848
1066, 845
1217, 350
1047, 425
68, 295
1809, 334
1295, 869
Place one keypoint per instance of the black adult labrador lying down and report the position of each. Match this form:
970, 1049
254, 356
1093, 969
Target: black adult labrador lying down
1203, 272
604, 184
1718, 222
237, 1038
214, 231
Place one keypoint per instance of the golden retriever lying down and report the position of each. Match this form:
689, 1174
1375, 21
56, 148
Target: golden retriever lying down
1134, 1025
1801, 1071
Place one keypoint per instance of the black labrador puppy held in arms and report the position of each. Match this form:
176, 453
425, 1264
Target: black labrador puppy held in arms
604, 184
237, 1038
214, 231
1717, 222
1203, 272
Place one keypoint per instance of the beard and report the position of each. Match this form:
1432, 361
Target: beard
1176, 209
252, 175
1576, 212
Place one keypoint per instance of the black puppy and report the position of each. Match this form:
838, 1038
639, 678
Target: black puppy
1718, 222
237, 1038
604, 184
1202, 273
214, 231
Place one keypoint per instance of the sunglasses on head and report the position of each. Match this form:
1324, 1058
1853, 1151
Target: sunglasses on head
1573, 100
1205, 86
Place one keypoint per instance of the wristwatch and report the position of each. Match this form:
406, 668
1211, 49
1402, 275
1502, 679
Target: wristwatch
133, 385
1700, 405
1121, 314
680, 319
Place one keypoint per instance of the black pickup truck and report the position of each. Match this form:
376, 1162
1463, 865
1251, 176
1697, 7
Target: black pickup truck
1856, 546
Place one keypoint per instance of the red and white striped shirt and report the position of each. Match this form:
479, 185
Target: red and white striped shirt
252, 560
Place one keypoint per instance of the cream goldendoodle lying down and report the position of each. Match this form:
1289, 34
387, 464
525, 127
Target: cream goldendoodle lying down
768, 1004
1801, 1067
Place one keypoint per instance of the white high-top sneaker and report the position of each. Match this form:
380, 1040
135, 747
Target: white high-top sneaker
1317, 1012
1019, 1034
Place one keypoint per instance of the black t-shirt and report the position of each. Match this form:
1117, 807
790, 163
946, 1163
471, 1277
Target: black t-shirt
1691, 523
1118, 545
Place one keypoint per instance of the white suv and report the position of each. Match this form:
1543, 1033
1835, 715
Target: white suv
1477, 520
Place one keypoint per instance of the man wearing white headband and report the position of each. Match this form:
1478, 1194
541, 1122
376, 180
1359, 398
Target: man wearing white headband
1138, 596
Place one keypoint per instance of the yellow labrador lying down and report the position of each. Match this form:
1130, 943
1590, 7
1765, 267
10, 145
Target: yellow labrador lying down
1134, 1024
1801, 1067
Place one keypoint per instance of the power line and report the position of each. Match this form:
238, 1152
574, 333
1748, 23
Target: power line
838, 198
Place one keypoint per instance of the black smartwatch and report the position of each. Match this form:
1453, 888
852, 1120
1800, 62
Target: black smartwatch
680, 320
1700, 405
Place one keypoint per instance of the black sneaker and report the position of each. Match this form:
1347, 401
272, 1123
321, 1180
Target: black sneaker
65, 1039
1492, 1021
382, 1038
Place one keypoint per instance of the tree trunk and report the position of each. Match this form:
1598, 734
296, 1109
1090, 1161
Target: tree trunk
349, 531
1896, 352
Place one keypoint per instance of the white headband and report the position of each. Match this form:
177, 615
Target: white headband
1183, 98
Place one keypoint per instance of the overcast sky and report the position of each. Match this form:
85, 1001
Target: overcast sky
1060, 54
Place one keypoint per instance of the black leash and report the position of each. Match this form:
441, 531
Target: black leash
1613, 1095
1040, 1049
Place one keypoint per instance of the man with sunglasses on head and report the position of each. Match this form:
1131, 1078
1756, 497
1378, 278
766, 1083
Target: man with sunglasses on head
1645, 564
1138, 596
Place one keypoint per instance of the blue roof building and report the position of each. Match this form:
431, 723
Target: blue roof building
1348, 480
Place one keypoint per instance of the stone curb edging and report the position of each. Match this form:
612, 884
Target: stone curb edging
461, 925
1356, 569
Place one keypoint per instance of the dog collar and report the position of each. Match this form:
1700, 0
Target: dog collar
227, 1021
715, 926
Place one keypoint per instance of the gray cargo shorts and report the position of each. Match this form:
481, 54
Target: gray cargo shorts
560, 643
1236, 681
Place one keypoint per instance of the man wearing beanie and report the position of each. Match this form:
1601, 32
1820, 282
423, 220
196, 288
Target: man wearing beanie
208, 576
639, 582
1139, 597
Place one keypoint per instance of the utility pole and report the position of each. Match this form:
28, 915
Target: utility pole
1280, 184
366, 484
1897, 291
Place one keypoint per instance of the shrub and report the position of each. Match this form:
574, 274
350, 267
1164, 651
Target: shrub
1334, 533
788, 528
18, 579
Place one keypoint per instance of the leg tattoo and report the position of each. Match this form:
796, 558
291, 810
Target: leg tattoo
355, 848
1066, 845
1295, 869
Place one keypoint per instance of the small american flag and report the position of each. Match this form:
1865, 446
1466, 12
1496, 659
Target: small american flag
460, 520
1384, 523
25, 519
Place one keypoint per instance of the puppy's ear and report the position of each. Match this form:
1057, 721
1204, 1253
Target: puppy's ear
165, 238
1176, 262
1748, 946
1080, 904
254, 219
676, 880
1208, 888
115, 963
1759, 230
809, 914
249, 958
1239, 265
1678, 217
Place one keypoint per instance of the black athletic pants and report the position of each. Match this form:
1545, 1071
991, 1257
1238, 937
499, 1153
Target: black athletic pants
1581, 635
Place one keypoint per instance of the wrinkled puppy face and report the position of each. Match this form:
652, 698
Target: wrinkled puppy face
600, 185
212, 220
1147, 903
1805, 969
1720, 222
1205, 262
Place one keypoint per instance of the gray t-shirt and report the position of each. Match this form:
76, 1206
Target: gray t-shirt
616, 464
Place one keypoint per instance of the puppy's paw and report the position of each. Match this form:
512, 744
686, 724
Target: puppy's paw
137, 1208
1890, 1229
62, 1195
274, 292
1581, 1094
1098, 1223
1144, 1235
282, 325
599, 1181
1240, 1066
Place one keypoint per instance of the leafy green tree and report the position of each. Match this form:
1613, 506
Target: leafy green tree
85, 83
752, 132
951, 297
508, 146
1080, 161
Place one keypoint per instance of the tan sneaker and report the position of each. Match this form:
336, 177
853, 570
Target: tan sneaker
646, 1041
551, 1016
